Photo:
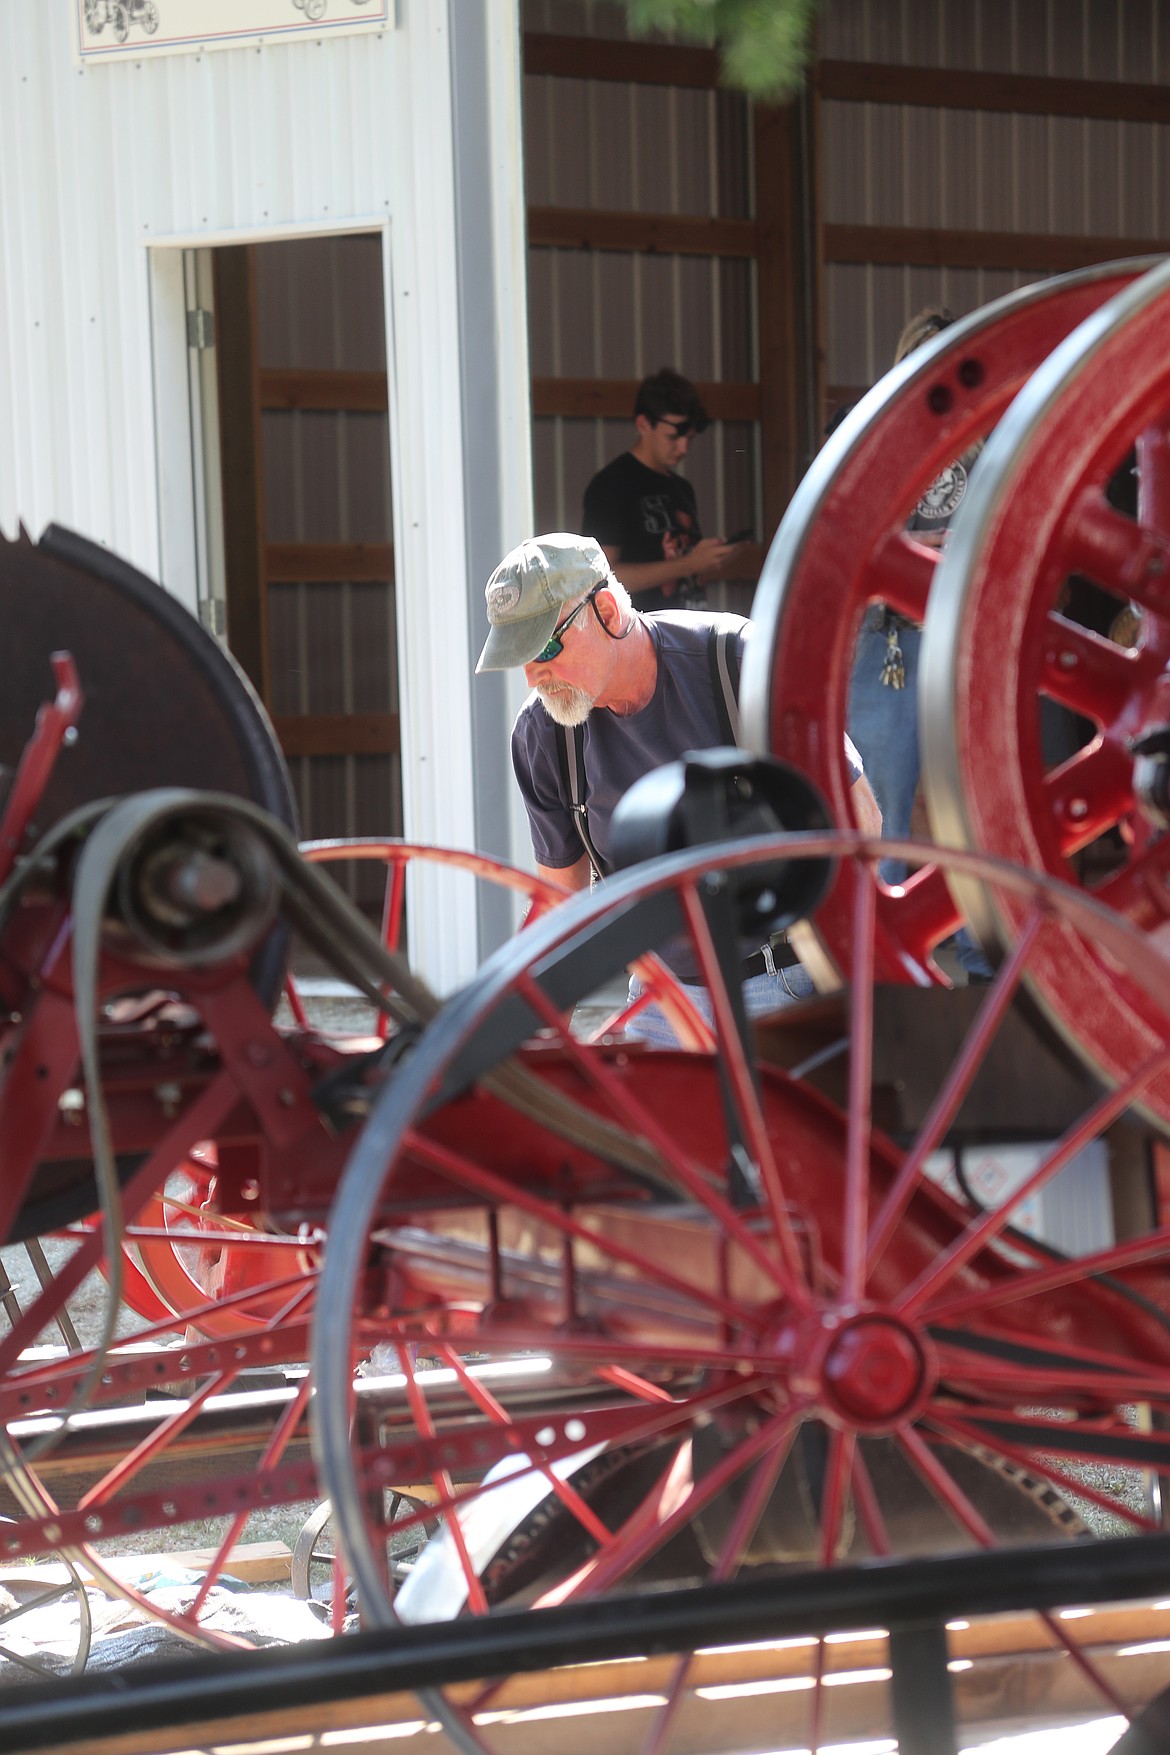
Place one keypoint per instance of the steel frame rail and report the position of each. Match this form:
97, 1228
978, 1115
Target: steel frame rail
913, 1598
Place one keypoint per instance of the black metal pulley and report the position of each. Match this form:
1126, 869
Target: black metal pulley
719, 795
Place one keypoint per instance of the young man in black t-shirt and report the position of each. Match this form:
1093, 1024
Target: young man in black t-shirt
644, 515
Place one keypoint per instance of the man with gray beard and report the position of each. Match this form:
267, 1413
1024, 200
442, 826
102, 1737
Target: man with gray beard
643, 687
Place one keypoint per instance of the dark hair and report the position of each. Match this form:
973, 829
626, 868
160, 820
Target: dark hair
668, 392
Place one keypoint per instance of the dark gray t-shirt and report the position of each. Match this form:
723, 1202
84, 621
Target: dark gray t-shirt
681, 715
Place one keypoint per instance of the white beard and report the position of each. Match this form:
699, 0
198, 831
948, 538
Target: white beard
566, 705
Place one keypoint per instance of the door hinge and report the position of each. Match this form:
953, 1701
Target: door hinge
200, 329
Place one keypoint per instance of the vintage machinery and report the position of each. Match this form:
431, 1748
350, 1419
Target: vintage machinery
578, 1314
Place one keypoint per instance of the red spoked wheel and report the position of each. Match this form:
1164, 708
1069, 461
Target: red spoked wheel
843, 546
998, 645
659, 986
791, 1348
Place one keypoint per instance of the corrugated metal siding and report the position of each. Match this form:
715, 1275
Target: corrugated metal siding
611, 314
100, 160
977, 171
96, 164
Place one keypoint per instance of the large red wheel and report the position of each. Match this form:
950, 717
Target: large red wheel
843, 546
806, 1352
998, 645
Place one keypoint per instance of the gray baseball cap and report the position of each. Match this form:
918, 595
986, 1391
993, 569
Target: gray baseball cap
528, 590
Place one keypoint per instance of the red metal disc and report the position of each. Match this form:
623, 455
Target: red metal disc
843, 546
997, 645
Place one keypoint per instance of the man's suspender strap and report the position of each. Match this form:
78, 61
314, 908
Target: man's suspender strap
571, 756
724, 661
723, 658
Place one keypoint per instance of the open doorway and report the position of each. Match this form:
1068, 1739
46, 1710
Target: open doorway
308, 599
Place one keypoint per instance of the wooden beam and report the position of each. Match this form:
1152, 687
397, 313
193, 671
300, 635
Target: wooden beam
360, 392
613, 398
949, 88
567, 57
678, 234
920, 247
326, 562
338, 734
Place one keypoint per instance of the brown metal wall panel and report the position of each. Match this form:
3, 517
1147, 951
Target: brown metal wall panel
611, 139
373, 684
652, 166
547, 508
736, 324
615, 289
326, 652
327, 476
285, 651
318, 303
695, 287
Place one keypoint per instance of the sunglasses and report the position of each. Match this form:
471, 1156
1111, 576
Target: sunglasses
556, 644
682, 429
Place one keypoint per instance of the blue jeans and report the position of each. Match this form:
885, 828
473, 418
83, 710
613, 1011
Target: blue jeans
762, 995
883, 723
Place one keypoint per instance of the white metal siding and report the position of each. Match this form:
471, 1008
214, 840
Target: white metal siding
99, 163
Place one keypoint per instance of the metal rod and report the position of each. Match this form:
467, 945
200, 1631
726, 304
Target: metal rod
81, 1711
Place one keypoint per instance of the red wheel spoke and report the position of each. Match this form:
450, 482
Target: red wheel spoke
1088, 794
1116, 552
866, 1499
957, 1503
158, 1440
498, 1415
971, 1368
1087, 673
695, 1182
953, 1090
1082, 1438
730, 1558
835, 1494
200, 1121
441, 1479
1031, 1462
919, 914
901, 573
939, 1274
1139, 890
271, 1455
631, 1549
1031, 1281
855, 1217
498, 1188
747, 1103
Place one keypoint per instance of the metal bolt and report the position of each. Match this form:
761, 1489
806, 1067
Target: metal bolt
1067, 660
249, 1189
285, 1097
169, 1096
714, 882
1078, 808
70, 736
71, 1103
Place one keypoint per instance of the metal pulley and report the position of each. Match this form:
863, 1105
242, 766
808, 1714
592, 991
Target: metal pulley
194, 888
722, 795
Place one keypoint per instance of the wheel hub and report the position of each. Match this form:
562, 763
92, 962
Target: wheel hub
874, 1372
867, 1370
